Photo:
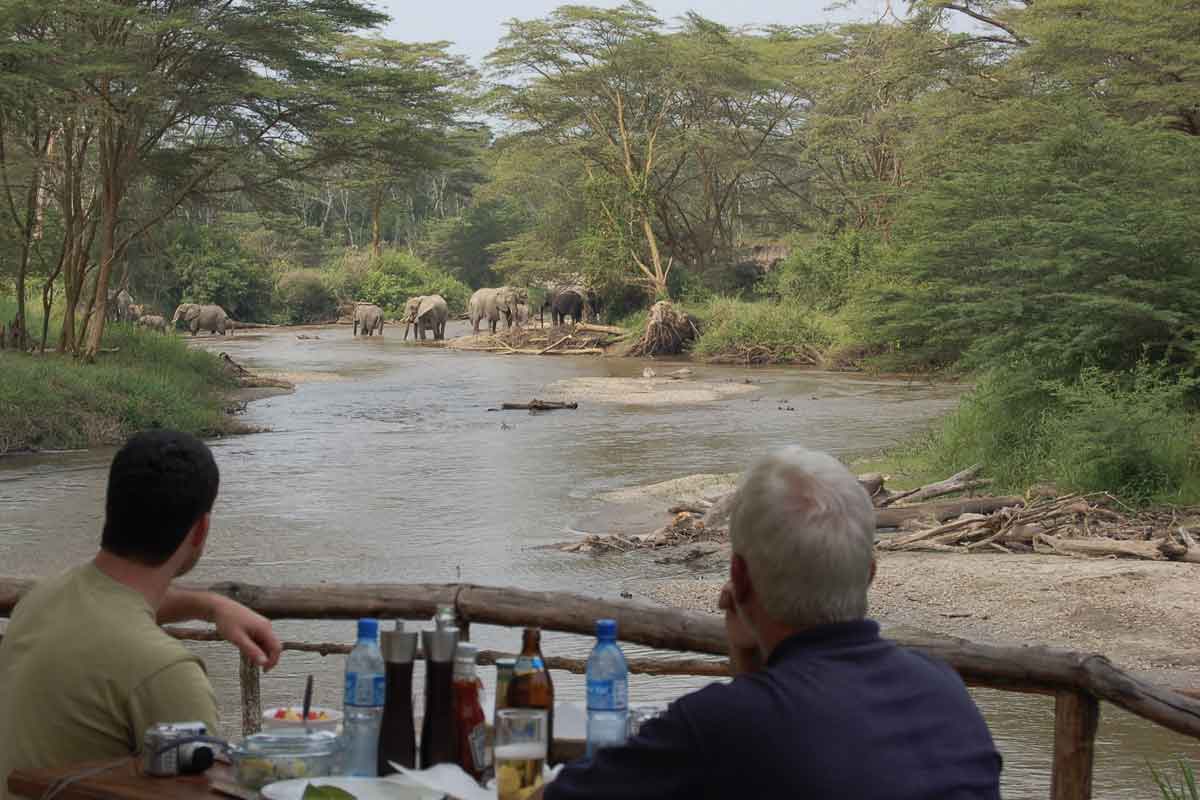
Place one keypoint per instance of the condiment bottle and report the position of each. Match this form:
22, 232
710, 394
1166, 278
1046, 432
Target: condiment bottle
531, 686
438, 742
445, 617
471, 725
504, 674
397, 738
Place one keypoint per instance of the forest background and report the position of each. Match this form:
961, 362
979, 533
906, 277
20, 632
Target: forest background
997, 190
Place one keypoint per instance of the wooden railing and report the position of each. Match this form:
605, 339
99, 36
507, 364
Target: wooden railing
1078, 681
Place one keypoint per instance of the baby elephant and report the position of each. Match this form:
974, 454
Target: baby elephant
152, 321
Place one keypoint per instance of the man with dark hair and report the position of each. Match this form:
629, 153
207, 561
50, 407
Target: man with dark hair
85, 667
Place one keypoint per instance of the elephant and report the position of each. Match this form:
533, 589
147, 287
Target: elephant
427, 313
121, 307
152, 321
368, 317
211, 318
490, 304
565, 302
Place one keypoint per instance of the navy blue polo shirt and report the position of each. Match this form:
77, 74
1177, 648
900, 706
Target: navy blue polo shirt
839, 713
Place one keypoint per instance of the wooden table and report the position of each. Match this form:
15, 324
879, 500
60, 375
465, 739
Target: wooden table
123, 782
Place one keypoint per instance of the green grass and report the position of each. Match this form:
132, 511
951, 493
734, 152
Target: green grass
1135, 434
152, 381
762, 332
1186, 789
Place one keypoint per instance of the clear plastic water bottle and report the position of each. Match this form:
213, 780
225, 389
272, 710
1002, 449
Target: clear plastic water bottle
607, 690
366, 685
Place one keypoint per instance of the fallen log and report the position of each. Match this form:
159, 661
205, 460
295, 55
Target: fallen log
892, 517
587, 327
1150, 551
536, 405
959, 482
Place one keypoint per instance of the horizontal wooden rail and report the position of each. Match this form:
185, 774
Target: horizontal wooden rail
716, 668
1025, 669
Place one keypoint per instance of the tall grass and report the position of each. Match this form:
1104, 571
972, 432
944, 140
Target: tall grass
1134, 433
1185, 790
151, 381
762, 332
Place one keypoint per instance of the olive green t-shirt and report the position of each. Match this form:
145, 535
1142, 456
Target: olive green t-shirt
85, 669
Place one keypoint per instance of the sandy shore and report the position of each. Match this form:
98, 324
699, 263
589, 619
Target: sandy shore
1141, 614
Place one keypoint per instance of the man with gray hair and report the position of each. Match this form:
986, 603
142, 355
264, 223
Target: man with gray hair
820, 706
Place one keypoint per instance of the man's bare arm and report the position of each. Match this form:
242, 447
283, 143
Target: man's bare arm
250, 632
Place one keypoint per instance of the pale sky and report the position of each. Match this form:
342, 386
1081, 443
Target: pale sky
475, 26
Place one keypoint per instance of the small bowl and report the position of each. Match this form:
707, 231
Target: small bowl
282, 755
333, 718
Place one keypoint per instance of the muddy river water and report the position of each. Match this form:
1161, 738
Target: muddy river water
385, 465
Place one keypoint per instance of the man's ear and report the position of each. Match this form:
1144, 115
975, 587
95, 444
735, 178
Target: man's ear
739, 578
198, 535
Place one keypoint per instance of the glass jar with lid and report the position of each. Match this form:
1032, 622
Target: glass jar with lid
281, 755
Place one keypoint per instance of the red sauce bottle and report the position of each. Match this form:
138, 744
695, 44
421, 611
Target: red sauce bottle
470, 723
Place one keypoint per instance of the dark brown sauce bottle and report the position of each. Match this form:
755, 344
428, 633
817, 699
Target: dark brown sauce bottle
439, 735
397, 736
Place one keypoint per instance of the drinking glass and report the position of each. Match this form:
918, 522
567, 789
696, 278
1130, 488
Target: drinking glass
520, 751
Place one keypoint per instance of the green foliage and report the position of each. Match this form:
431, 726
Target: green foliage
462, 245
1133, 433
1187, 788
397, 276
212, 267
827, 272
305, 297
760, 332
1078, 248
56, 402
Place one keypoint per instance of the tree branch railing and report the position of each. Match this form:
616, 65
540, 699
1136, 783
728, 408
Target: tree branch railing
1076, 680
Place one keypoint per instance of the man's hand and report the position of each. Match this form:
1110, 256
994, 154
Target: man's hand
247, 630
744, 655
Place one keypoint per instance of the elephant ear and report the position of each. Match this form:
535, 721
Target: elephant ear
427, 305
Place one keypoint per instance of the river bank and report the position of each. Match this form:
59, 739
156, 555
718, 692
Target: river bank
141, 380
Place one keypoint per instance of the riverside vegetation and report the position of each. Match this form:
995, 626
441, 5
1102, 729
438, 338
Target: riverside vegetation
1009, 201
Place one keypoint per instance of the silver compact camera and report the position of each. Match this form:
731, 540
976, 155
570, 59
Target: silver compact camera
169, 748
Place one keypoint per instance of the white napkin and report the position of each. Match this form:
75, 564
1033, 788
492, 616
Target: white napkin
451, 779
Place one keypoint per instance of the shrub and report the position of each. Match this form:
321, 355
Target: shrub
1187, 788
1131, 433
824, 274
305, 297
761, 332
397, 276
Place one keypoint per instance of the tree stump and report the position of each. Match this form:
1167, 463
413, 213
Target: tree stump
668, 331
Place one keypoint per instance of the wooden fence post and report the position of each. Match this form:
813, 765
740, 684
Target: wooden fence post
1076, 715
251, 696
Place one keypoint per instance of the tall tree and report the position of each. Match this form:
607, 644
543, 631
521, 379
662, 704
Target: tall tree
183, 88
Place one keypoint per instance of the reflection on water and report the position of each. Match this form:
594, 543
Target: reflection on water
395, 471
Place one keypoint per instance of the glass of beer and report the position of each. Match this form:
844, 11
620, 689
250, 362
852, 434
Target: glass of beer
520, 752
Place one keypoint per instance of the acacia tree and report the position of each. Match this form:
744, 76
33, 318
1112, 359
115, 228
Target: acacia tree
597, 85
180, 89
400, 103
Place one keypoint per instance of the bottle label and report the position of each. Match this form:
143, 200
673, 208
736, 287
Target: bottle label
479, 749
527, 664
610, 695
365, 690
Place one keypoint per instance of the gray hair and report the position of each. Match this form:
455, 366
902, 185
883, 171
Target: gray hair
806, 530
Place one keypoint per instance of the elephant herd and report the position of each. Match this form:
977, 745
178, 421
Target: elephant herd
194, 316
490, 305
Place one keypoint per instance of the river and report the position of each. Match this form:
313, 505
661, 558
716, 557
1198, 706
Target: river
385, 465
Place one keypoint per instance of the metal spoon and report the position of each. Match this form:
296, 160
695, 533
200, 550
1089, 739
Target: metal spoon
308, 690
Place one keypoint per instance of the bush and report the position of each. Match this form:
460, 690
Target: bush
397, 276
1131, 433
212, 267
761, 332
826, 273
151, 381
304, 296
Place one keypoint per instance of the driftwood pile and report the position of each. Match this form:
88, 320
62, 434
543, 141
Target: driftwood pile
581, 339
1072, 525
251, 380
668, 331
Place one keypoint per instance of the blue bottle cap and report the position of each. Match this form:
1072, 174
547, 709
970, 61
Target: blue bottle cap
368, 629
606, 629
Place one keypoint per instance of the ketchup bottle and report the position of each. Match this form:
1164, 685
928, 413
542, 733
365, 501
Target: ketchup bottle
470, 724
